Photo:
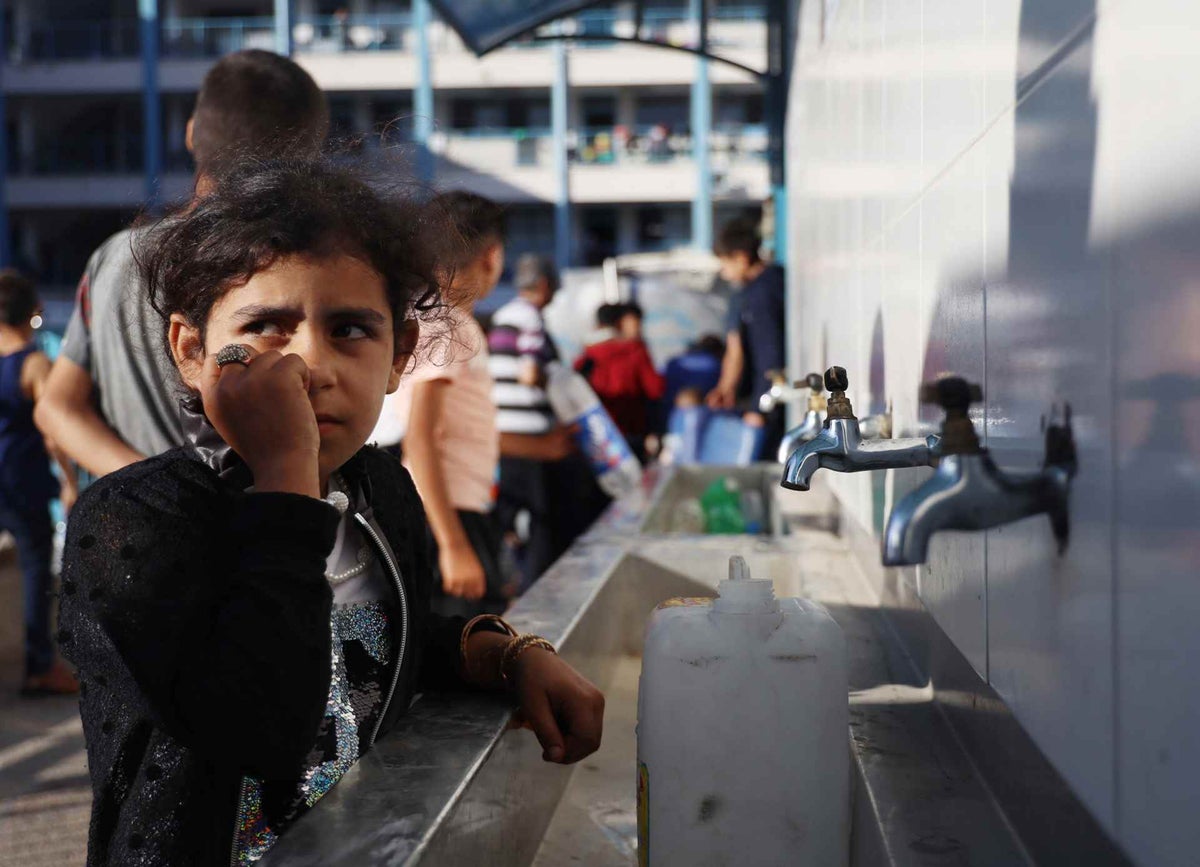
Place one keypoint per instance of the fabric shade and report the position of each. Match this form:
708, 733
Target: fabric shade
485, 25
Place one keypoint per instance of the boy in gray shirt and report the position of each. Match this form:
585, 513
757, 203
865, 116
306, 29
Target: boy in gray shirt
111, 397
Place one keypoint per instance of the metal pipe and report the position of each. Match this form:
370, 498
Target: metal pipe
702, 203
779, 49
151, 103
559, 92
283, 28
423, 93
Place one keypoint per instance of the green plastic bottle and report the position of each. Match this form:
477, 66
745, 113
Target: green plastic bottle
722, 506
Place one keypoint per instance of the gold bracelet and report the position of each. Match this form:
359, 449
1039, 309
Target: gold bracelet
470, 628
514, 649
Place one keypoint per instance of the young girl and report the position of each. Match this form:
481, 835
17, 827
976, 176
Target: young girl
251, 612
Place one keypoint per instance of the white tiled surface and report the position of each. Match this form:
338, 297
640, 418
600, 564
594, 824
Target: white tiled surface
1048, 249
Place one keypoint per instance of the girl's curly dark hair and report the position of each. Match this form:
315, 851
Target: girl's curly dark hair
265, 210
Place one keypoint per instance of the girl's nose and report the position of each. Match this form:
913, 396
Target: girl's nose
320, 376
319, 359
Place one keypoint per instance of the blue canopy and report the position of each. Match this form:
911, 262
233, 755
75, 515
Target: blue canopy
485, 25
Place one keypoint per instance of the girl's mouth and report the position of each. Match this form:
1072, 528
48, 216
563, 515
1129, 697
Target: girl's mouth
326, 422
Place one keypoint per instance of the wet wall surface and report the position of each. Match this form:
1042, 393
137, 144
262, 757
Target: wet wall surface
1008, 191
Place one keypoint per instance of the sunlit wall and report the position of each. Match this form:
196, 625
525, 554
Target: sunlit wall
1011, 191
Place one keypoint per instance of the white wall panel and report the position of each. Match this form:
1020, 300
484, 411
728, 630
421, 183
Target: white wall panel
952, 582
1146, 209
954, 35
978, 187
1049, 324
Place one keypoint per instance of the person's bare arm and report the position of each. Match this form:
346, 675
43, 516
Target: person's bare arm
66, 414
725, 394
462, 573
554, 445
34, 375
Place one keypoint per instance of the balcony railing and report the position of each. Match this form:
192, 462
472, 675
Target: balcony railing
594, 27
212, 37
658, 143
515, 146
598, 146
332, 34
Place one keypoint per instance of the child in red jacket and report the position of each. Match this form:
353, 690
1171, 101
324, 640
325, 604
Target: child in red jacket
622, 374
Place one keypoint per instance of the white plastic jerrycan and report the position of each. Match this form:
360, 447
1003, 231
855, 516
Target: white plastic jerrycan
743, 753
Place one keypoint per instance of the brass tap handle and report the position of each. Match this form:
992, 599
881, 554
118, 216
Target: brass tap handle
813, 381
955, 395
836, 379
837, 382
951, 393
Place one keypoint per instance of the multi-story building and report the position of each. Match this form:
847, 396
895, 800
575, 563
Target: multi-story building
75, 89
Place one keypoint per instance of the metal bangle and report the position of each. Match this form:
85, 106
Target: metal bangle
470, 628
513, 652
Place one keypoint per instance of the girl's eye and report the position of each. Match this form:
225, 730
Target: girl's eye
350, 332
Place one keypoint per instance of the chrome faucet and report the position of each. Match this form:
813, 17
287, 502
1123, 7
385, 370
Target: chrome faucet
840, 445
968, 491
780, 392
810, 426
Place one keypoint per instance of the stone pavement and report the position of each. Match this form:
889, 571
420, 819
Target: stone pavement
45, 795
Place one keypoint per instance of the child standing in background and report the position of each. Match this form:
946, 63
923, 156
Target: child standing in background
622, 374
451, 442
26, 483
540, 466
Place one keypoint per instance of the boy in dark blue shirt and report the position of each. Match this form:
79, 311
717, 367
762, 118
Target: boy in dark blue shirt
755, 325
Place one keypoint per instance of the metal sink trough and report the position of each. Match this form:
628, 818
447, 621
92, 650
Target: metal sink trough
662, 515
454, 785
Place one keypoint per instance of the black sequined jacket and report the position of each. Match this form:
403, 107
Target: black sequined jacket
198, 616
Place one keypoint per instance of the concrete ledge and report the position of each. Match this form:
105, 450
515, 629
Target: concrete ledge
451, 785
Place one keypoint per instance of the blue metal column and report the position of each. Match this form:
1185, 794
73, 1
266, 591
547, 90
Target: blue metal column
5, 241
283, 28
151, 107
423, 94
779, 56
558, 125
702, 204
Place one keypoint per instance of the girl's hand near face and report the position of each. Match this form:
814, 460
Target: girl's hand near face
263, 411
564, 709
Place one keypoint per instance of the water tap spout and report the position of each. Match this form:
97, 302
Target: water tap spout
813, 419
840, 445
968, 491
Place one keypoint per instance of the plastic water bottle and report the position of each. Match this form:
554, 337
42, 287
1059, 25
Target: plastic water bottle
754, 511
722, 507
742, 731
601, 441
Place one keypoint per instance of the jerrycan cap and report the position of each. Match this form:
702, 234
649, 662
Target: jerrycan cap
741, 594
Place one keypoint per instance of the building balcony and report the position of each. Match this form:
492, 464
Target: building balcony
374, 51
510, 165
606, 166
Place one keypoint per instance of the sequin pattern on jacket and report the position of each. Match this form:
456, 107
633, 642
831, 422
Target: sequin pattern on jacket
199, 618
